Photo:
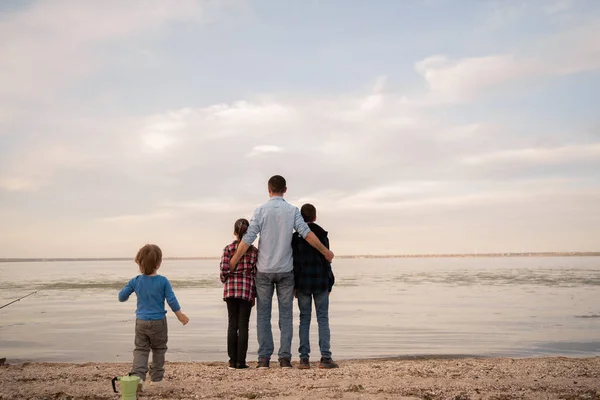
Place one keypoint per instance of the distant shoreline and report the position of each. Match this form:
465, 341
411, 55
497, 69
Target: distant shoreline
471, 255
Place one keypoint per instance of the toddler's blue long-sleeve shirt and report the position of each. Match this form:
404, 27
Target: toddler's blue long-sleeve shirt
151, 292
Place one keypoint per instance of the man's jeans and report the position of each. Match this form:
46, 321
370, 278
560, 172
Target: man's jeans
150, 335
266, 284
322, 308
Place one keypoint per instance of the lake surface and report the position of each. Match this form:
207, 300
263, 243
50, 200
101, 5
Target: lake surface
515, 307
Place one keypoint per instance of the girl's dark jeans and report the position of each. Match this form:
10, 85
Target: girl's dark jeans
237, 330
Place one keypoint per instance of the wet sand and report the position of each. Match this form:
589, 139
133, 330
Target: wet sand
457, 379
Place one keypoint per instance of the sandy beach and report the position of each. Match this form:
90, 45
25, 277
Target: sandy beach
457, 379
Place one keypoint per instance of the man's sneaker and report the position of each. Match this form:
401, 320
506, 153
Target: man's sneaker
285, 363
263, 363
304, 363
243, 366
231, 365
327, 363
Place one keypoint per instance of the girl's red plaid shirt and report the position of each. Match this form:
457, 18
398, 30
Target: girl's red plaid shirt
239, 283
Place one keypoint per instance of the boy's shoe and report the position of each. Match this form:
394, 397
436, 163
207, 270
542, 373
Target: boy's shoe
154, 386
304, 363
327, 363
231, 365
263, 363
243, 366
285, 363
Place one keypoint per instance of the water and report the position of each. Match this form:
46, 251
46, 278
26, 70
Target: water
379, 308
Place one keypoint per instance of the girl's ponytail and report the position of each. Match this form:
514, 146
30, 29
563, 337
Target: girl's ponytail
240, 227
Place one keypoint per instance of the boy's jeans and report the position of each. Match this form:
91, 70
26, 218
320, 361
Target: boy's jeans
150, 335
266, 284
322, 308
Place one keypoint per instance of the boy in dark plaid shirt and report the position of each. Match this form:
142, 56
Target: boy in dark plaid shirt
239, 291
313, 281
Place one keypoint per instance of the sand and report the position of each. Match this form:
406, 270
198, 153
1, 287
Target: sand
457, 379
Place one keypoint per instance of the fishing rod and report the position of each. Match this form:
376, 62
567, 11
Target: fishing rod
19, 299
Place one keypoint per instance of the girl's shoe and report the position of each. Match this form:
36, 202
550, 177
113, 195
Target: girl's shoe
232, 365
243, 366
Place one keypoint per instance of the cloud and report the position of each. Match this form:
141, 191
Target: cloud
386, 162
570, 51
556, 155
223, 120
157, 142
225, 204
463, 132
418, 197
137, 218
54, 43
464, 79
243, 113
15, 184
264, 149
33, 165
376, 98
184, 138
558, 6
438, 201
507, 14
503, 13
192, 151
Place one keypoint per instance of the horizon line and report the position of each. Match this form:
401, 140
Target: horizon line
346, 256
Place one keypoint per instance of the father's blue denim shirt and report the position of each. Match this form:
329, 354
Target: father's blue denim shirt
276, 221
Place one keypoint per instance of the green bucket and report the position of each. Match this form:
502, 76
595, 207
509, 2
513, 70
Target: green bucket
129, 386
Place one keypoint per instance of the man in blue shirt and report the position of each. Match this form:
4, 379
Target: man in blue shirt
276, 222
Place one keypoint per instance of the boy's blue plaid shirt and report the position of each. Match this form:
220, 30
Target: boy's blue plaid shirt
312, 272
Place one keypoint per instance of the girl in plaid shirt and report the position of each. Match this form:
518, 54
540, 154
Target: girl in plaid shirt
239, 292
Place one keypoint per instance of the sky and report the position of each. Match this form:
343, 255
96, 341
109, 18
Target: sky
416, 126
